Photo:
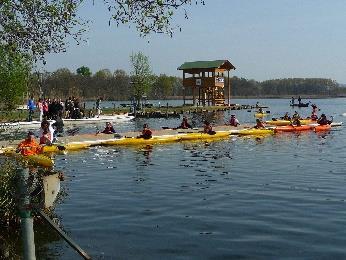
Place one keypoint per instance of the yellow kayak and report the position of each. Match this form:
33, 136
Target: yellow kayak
166, 138
287, 122
68, 147
260, 114
204, 136
139, 141
256, 131
38, 159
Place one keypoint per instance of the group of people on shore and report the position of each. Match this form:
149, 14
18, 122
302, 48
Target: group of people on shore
51, 109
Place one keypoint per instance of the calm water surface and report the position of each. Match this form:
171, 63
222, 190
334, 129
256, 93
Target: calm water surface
279, 197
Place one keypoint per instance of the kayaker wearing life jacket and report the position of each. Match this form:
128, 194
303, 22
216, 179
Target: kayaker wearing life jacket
295, 115
323, 120
296, 122
259, 124
313, 116
49, 135
233, 121
29, 146
184, 124
286, 116
146, 132
109, 129
207, 128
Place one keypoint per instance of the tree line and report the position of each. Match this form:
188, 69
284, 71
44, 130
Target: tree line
108, 85
119, 85
286, 87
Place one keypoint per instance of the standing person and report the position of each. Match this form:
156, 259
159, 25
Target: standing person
98, 106
31, 107
233, 121
58, 126
45, 108
299, 100
40, 107
29, 146
292, 100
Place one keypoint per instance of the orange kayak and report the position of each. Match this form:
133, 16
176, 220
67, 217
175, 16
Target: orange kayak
290, 128
321, 128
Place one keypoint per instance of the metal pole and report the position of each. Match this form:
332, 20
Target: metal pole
229, 88
26, 220
64, 236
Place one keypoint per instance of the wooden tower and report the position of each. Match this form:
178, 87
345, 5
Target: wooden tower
207, 80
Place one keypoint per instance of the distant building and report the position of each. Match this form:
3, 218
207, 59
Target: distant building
207, 80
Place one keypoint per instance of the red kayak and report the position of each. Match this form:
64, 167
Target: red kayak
290, 128
321, 128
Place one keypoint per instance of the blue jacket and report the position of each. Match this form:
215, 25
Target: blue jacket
31, 104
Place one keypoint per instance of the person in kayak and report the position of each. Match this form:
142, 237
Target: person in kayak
29, 146
296, 122
260, 110
109, 129
49, 136
208, 129
286, 116
313, 116
146, 132
259, 124
233, 121
295, 115
323, 120
184, 124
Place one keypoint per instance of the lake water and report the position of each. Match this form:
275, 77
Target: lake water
279, 197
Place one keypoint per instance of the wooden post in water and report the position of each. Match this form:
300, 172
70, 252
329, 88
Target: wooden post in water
26, 220
167, 110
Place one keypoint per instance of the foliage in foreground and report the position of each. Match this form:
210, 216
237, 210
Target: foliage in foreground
37, 27
14, 71
8, 193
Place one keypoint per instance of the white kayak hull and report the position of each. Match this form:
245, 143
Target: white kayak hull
116, 118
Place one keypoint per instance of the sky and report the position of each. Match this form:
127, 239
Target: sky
264, 40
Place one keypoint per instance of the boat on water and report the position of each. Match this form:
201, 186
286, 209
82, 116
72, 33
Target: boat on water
22, 124
300, 105
103, 118
281, 122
